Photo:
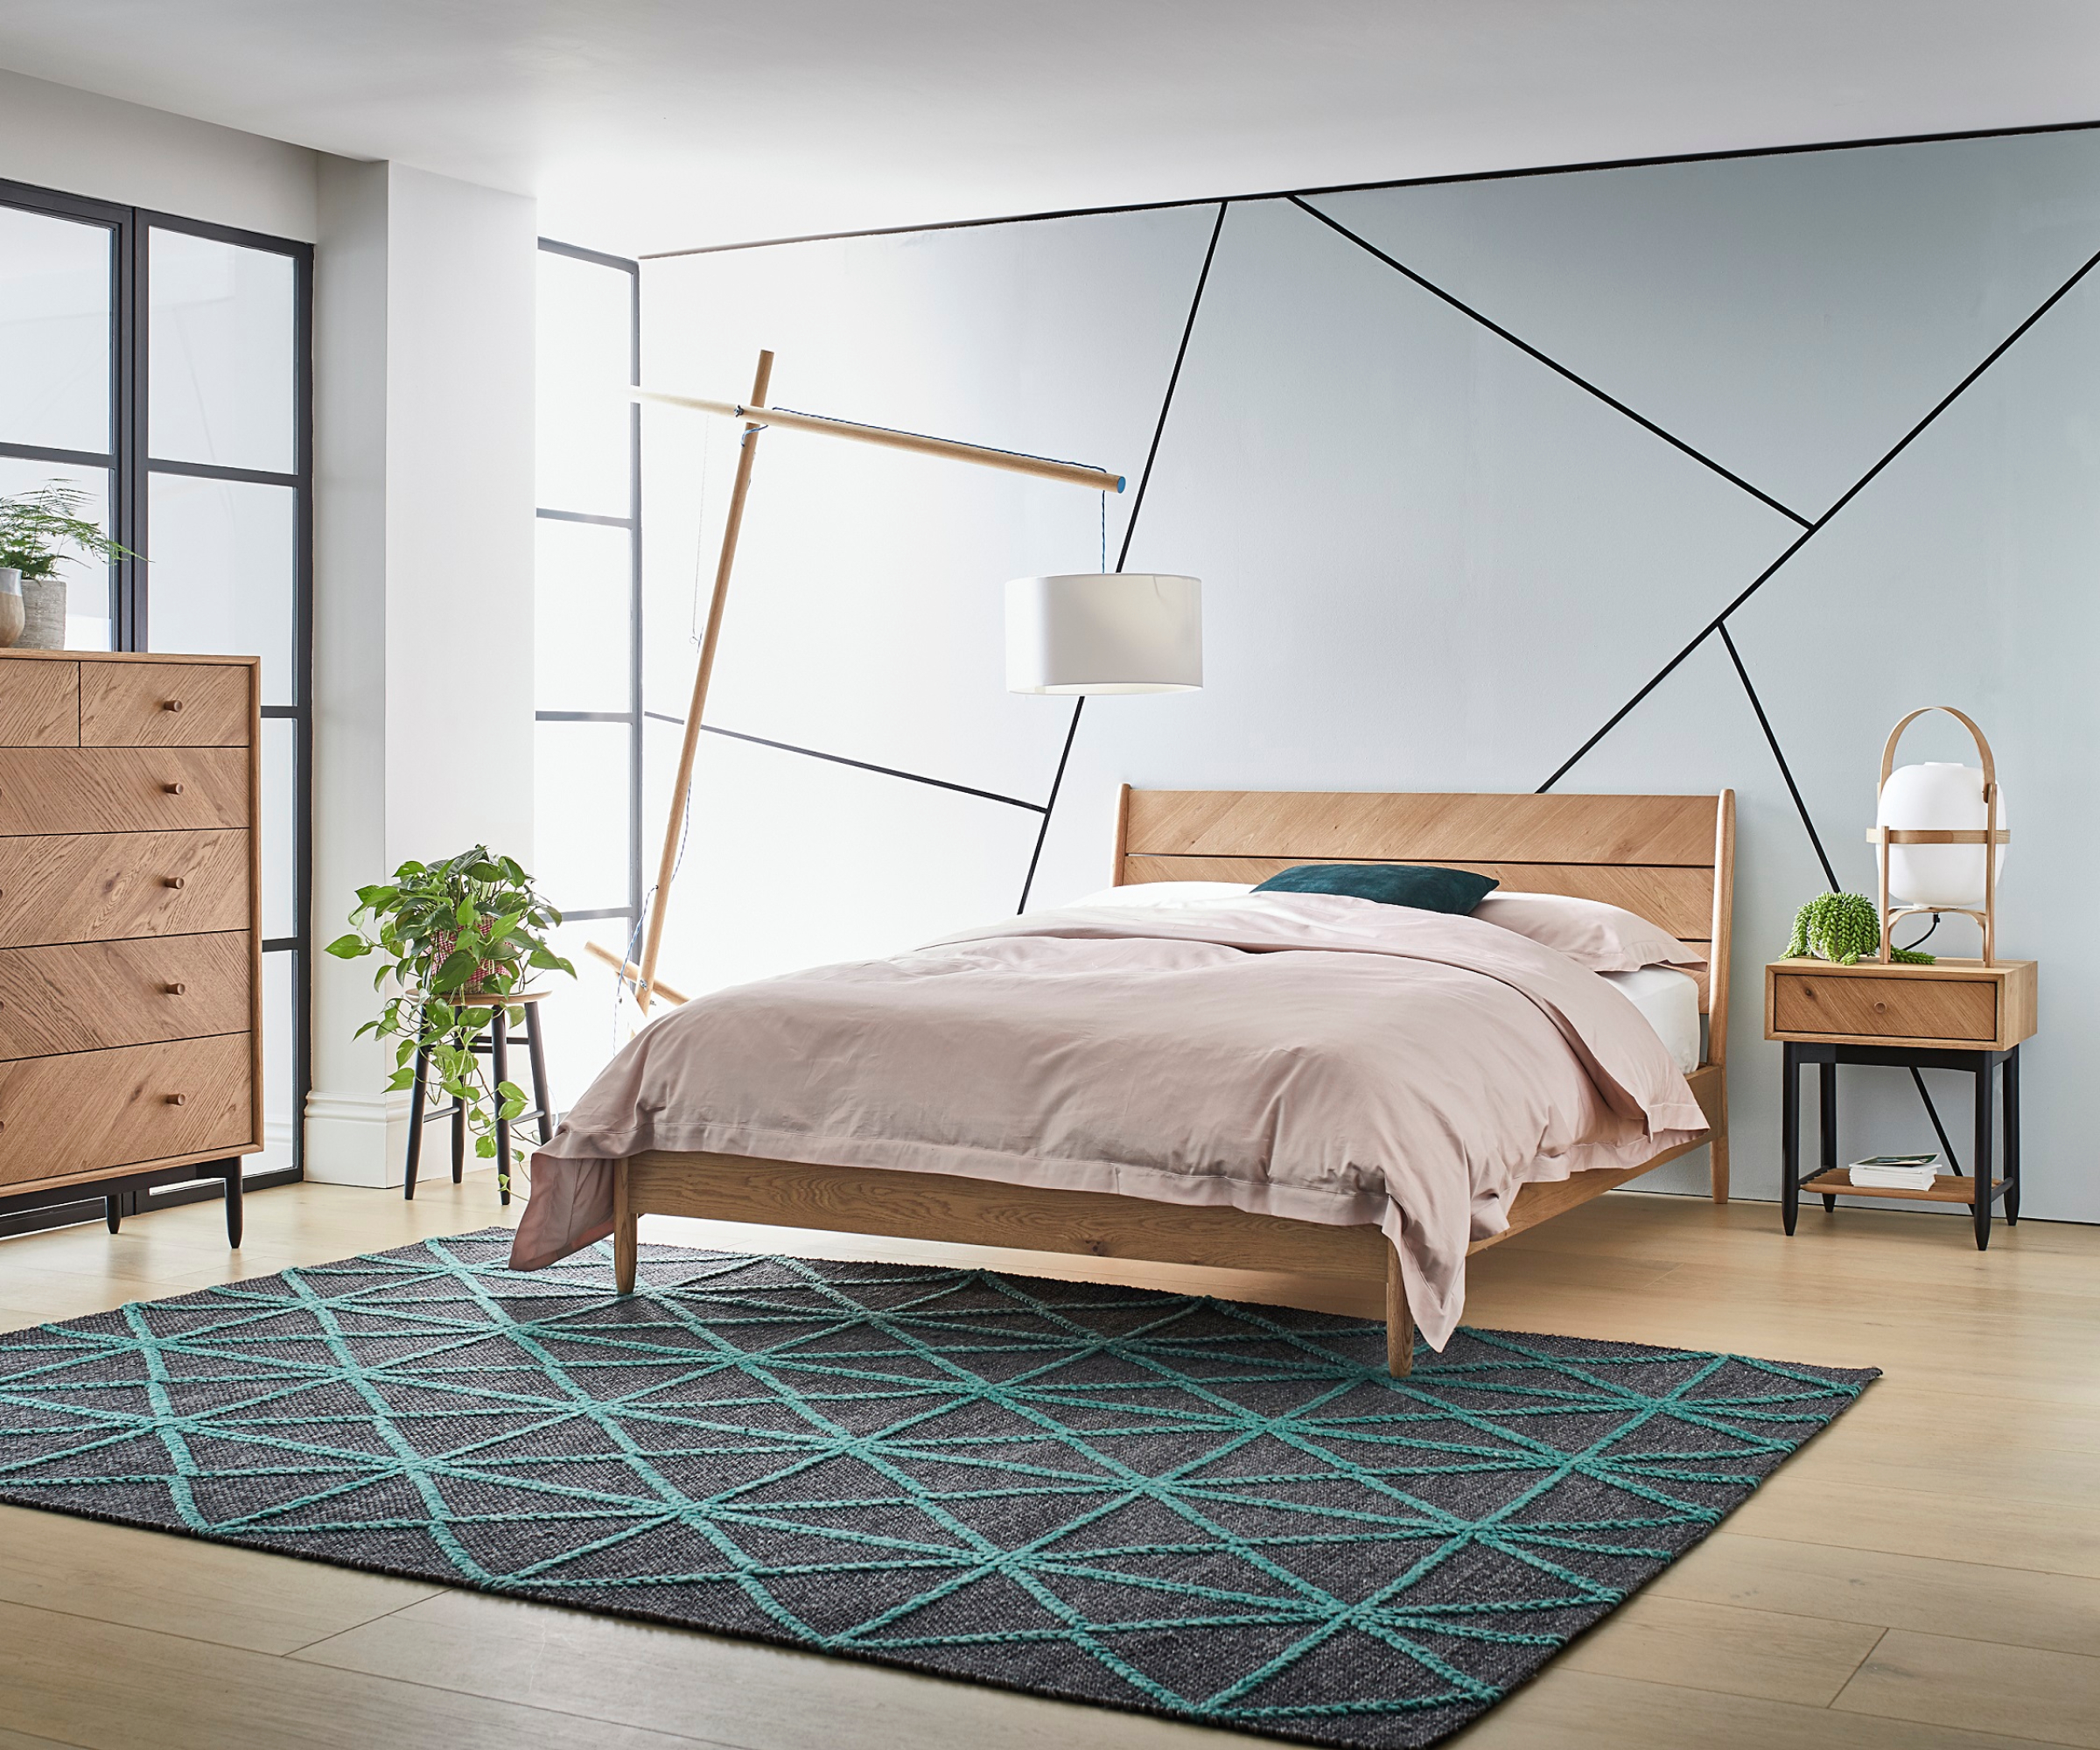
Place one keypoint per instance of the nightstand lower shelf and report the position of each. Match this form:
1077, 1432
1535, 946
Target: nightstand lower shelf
1947, 1187
1826, 1179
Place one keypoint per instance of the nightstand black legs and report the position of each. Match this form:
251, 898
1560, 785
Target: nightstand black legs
1981, 1150
1997, 1074
1826, 1120
1789, 1139
2012, 1092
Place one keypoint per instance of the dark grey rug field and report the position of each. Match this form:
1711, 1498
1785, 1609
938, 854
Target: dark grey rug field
1220, 1513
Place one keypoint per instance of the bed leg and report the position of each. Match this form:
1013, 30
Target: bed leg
1717, 1152
625, 1231
1399, 1322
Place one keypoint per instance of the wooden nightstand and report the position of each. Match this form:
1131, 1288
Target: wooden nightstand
1957, 1014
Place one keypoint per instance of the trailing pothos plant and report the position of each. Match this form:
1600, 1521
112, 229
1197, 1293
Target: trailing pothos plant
472, 926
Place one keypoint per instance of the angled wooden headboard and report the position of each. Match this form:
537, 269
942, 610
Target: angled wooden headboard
1670, 859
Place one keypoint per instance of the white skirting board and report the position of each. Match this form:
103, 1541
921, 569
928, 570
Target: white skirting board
360, 1138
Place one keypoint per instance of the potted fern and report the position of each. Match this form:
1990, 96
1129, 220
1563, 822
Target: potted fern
472, 924
36, 530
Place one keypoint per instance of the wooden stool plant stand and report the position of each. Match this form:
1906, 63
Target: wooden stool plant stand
493, 1042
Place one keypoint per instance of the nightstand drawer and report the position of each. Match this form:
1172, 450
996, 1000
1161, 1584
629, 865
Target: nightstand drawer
1889, 1007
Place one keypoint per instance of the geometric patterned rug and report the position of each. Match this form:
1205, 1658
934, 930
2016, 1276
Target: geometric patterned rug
1219, 1513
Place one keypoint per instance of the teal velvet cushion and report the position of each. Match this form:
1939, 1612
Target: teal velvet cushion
1457, 891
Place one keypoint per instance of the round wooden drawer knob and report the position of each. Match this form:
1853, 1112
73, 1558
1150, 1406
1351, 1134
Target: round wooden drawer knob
173, 705
172, 881
179, 1099
1881, 1008
172, 790
177, 989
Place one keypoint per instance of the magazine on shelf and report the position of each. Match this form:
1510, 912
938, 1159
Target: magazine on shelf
1896, 1171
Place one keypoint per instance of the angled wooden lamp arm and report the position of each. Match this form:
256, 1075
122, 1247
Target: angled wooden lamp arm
1043, 467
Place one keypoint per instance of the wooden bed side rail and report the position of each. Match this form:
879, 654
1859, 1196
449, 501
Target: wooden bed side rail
948, 1209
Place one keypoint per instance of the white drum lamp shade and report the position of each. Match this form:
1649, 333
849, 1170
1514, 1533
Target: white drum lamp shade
1937, 796
1122, 631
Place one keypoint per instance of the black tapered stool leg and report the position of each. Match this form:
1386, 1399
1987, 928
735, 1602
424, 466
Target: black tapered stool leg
2010, 1092
422, 1083
538, 1053
113, 1213
1980, 1183
1827, 1119
458, 1138
1789, 1137
499, 1053
233, 1202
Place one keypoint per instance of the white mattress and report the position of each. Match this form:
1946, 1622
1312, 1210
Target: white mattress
1668, 1002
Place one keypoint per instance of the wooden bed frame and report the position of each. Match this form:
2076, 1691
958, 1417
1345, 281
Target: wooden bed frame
1669, 858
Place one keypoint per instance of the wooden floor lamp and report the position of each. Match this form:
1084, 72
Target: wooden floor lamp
755, 416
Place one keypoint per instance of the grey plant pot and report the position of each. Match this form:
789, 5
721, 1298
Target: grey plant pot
11, 606
42, 614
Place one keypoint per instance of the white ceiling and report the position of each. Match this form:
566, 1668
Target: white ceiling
649, 125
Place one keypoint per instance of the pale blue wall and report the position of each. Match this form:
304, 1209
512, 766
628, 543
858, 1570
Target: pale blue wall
1430, 563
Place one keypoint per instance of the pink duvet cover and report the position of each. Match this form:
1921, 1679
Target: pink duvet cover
1310, 1055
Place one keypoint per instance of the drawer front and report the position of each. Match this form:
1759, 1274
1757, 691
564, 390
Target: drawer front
108, 1108
104, 886
1889, 1008
39, 704
121, 789
164, 704
92, 996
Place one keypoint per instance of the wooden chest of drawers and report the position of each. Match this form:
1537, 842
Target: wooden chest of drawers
131, 988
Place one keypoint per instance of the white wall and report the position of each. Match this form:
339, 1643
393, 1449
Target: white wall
53, 137
1429, 562
422, 580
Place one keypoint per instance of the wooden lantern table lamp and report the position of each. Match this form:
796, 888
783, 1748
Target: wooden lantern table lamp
1928, 875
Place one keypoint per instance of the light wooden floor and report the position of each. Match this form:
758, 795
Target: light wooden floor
1925, 1576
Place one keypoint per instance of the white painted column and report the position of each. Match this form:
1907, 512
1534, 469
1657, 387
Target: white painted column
422, 673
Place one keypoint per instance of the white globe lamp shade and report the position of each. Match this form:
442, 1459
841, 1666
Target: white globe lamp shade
1122, 631
1937, 796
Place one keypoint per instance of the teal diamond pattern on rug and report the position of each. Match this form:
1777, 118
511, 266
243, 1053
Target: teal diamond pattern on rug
1221, 1513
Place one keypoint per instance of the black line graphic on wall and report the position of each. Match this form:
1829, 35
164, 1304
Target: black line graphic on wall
1554, 365
1810, 528
1823, 522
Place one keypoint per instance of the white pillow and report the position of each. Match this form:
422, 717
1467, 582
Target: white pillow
1140, 893
1604, 938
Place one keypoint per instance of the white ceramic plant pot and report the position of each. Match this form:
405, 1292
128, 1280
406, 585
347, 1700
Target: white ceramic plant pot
11, 606
1937, 796
43, 613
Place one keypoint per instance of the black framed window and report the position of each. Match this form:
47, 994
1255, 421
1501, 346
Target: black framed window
587, 684
164, 366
